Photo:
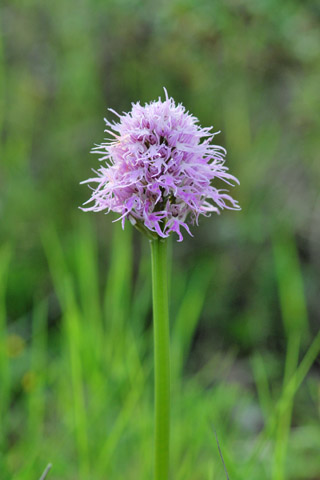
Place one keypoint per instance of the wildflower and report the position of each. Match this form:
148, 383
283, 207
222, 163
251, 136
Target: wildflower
159, 169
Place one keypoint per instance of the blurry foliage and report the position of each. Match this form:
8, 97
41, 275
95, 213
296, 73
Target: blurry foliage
78, 393
250, 68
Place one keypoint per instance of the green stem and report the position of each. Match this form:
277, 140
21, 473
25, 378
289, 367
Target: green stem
161, 358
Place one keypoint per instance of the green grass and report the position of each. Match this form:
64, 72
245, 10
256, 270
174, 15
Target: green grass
78, 393
76, 368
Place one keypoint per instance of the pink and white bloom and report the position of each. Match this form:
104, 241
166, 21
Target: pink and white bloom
158, 170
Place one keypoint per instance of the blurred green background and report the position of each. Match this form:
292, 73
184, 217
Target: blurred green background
75, 309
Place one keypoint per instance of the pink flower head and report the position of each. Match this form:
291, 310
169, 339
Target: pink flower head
159, 168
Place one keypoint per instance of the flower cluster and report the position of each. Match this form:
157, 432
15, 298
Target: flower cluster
159, 169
